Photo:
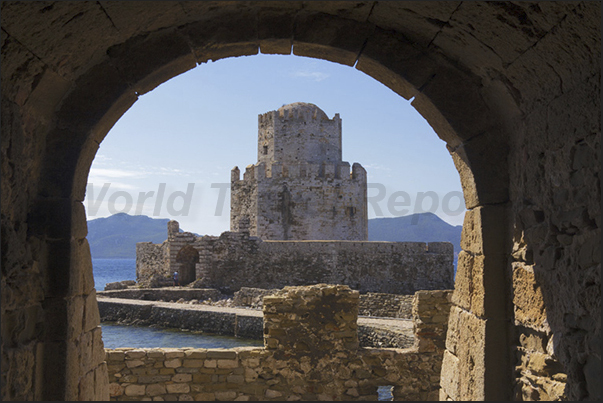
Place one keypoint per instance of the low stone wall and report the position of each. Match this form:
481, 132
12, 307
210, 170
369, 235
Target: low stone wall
251, 297
371, 336
229, 321
385, 305
119, 285
181, 316
311, 353
164, 294
370, 304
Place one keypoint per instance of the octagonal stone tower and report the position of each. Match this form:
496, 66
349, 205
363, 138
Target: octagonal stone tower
300, 189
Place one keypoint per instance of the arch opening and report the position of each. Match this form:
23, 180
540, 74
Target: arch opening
469, 123
461, 152
422, 104
187, 257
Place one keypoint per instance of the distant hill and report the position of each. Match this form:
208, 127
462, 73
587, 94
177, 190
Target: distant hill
424, 227
115, 237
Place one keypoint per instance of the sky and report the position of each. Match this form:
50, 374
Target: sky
170, 155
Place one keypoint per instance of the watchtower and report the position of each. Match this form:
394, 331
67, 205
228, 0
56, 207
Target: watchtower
300, 189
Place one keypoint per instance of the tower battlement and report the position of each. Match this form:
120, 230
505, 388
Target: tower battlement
296, 114
263, 171
299, 132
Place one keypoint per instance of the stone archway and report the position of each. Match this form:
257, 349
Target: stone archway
187, 258
70, 70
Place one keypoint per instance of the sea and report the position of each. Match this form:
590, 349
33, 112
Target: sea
114, 335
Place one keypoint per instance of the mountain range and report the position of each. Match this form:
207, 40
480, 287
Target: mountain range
115, 237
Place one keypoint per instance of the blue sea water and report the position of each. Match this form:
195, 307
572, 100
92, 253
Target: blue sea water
112, 270
147, 337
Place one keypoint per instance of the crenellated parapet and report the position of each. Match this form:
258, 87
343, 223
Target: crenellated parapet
265, 171
299, 132
290, 114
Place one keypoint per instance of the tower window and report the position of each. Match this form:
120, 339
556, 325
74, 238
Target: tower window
265, 150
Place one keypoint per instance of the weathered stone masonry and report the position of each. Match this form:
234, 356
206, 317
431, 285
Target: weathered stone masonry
311, 353
513, 88
298, 217
235, 260
300, 189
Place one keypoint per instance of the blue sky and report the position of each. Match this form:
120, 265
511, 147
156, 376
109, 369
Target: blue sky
183, 138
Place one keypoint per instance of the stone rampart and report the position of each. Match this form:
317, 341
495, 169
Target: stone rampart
324, 364
152, 264
164, 294
231, 321
234, 260
301, 201
382, 337
181, 316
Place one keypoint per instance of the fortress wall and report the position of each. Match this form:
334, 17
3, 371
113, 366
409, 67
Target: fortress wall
283, 370
152, 263
302, 201
387, 267
234, 260
243, 201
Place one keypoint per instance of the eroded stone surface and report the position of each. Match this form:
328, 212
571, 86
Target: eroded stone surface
311, 353
544, 56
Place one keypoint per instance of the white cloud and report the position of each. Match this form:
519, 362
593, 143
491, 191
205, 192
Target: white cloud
116, 173
113, 185
311, 75
376, 167
99, 158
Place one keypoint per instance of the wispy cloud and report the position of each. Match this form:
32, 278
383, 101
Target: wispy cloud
101, 158
377, 167
311, 75
116, 173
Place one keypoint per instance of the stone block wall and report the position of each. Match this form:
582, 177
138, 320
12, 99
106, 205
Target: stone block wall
234, 260
311, 321
251, 297
555, 269
369, 304
180, 316
386, 305
164, 294
152, 264
301, 201
330, 366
